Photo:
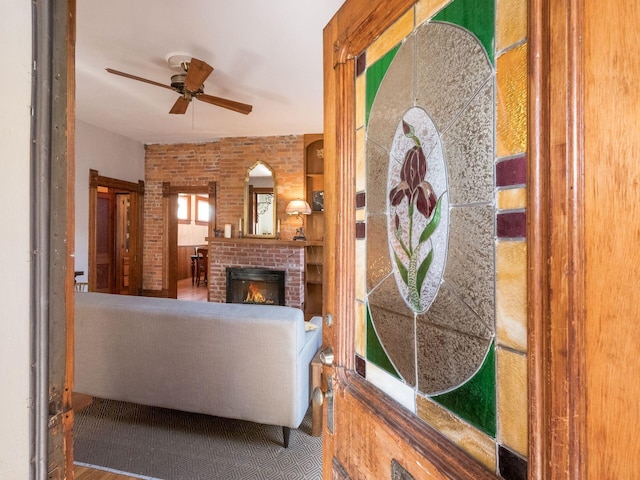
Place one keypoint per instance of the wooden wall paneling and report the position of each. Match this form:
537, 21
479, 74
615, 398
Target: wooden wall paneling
184, 261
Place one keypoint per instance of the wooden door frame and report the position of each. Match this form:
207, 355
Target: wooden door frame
556, 241
53, 236
136, 192
556, 354
170, 248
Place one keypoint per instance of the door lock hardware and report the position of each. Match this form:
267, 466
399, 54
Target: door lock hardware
326, 356
319, 396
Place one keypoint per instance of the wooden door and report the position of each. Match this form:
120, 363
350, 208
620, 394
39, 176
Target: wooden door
581, 208
105, 228
122, 242
115, 235
366, 434
113, 241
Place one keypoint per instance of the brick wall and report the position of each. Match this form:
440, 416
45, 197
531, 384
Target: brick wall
226, 162
268, 255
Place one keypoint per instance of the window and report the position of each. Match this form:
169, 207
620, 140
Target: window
184, 208
202, 210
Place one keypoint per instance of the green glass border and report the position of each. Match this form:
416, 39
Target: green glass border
477, 16
475, 400
376, 353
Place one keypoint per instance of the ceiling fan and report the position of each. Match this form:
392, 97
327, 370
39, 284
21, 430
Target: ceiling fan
190, 84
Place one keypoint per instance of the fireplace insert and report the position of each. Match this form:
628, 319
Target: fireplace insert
255, 285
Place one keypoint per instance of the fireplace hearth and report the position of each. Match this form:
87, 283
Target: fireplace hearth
259, 286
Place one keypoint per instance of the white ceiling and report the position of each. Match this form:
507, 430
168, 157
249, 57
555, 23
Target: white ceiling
267, 53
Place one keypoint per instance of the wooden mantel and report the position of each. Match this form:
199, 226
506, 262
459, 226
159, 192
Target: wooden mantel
264, 241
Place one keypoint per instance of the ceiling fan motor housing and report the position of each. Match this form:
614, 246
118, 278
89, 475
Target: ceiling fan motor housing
177, 83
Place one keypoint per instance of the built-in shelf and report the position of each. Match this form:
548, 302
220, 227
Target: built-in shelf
314, 249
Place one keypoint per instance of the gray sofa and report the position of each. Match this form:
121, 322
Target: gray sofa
247, 362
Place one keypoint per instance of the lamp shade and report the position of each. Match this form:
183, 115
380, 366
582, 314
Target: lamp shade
298, 207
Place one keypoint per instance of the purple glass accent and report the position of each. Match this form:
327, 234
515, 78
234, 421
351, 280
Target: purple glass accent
361, 199
511, 172
511, 225
512, 466
361, 230
361, 63
361, 366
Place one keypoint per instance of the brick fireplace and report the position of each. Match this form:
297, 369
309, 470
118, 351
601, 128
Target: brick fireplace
257, 253
224, 161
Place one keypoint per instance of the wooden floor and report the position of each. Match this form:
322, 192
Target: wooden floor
84, 473
186, 291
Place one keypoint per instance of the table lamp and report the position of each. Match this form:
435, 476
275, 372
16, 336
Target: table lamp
298, 207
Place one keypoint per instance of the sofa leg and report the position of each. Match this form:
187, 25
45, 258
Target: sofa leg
286, 432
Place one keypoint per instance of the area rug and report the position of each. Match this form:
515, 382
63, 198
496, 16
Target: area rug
158, 443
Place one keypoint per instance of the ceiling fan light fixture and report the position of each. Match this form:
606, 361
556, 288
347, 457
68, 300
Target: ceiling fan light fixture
176, 60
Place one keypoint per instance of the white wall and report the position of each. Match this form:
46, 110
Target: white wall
112, 156
15, 98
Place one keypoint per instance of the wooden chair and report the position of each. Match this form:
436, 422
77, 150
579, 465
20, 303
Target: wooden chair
202, 256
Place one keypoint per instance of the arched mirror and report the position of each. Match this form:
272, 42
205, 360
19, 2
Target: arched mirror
260, 201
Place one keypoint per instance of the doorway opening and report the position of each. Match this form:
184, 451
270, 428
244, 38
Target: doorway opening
193, 229
190, 211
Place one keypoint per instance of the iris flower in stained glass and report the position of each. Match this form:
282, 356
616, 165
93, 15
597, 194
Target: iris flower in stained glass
420, 195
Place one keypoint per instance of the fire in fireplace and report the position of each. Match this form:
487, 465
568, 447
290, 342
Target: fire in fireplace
255, 285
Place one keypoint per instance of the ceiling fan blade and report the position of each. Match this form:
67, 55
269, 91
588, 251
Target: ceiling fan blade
197, 74
140, 79
224, 103
180, 106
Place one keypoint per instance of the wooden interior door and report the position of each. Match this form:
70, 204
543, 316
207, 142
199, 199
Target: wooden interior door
113, 240
105, 228
115, 235
122, 242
